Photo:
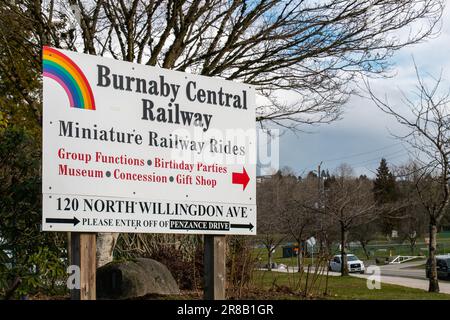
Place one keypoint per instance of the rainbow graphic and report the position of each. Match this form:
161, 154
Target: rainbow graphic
63, 70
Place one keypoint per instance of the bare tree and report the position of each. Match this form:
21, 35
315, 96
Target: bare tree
428, 120
413, 223
272, 195
413, 227
300, 222
313, 48
348, 202
364, 233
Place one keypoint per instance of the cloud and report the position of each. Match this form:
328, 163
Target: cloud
364, 127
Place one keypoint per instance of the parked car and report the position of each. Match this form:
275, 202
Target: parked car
442, 266
354, 264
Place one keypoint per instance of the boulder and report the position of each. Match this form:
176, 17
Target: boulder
134, 278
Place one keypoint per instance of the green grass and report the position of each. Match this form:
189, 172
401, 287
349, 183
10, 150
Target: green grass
277, 257
344, 288
444, 235
392, 249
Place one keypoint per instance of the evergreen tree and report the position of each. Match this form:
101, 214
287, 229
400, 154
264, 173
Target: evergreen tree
385, 191
311, 175
32, 256
385, 186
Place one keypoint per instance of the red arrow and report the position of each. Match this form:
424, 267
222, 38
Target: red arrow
241, 178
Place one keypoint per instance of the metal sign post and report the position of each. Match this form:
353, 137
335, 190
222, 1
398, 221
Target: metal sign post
311, 242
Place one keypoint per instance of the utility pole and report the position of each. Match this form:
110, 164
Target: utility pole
319, 180
319, 199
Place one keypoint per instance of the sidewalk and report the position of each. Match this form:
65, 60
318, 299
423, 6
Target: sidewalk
401, 281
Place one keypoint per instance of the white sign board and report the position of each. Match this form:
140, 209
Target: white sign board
311, 241
134, 148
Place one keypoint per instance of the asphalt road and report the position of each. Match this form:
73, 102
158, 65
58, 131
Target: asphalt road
444, 286
398, 274
405, 270
403, 275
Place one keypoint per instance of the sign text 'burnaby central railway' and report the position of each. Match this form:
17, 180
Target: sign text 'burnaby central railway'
133, 148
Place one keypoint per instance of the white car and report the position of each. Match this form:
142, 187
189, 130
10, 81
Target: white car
354, 264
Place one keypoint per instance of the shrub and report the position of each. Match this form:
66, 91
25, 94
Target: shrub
241, 263
182, 254
25, 251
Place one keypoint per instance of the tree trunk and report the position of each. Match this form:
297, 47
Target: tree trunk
269, 257
412, 245
299, 257
344, 266
106, 243
320, 245
305, 248
364, 246
434, 283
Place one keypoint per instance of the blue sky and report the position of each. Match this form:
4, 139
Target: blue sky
363, 136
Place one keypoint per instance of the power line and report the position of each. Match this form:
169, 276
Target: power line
390, 156
355, 155
376, 162
360, 164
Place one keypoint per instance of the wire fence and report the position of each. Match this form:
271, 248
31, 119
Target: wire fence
395, 249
